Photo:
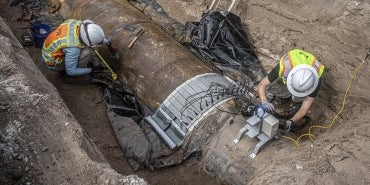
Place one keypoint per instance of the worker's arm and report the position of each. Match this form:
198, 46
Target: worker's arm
262, 88
306, 104
71, 62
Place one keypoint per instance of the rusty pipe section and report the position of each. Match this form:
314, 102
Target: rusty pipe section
155, 65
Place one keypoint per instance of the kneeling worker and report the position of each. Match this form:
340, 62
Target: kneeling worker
297, 76
64, 48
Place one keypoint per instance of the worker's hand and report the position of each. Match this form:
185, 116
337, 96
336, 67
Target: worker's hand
269, 107
287, 125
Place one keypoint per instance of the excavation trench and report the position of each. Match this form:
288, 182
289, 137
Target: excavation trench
168, 79
157, 69
153, 69
87, 104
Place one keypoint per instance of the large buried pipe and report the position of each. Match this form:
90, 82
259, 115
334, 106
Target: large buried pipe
156, 64
166, 76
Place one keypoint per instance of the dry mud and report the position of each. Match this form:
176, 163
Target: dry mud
49, 136
337, 32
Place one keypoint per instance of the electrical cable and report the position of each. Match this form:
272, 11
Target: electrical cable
296, 141
233, 113
215, 89
190, 103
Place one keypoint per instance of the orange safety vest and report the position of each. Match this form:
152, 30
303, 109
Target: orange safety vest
66, 35
296, 57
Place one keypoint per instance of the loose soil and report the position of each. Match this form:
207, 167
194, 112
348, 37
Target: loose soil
337, 32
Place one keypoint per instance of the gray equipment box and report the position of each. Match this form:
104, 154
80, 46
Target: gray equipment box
270, 126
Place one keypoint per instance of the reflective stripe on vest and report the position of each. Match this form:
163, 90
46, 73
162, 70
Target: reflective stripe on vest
66, 35
296, 57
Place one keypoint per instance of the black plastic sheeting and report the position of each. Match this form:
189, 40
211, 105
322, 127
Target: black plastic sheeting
140, 144
219, 37
123, 103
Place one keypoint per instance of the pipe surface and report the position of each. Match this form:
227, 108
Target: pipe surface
155, 65
153, 68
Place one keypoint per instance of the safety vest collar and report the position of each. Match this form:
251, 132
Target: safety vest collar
297, 57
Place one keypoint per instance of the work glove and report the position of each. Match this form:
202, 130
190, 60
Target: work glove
269, 107
260, 111
287, 125
113, 50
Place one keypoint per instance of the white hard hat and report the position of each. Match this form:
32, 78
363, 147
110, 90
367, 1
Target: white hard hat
91, 34
88, 21
302, 80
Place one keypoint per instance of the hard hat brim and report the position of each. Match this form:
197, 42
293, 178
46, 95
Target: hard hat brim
289, 80
83, 35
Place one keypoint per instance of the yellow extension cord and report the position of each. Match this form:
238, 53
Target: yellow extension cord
114, 75
335, 117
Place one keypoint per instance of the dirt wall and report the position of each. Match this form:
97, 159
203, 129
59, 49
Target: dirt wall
337, 156
40, 140
274, 28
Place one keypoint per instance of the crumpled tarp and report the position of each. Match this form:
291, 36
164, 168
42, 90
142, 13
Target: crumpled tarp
139, 142
220, 38
131, 139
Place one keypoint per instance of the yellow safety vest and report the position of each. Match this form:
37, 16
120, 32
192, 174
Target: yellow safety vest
296, 57
66, 35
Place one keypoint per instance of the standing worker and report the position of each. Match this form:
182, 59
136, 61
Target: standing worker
64, 49
297, 76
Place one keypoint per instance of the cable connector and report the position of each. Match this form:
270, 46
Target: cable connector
200, 107
190, 118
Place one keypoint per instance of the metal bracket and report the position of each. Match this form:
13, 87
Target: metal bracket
253, 129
